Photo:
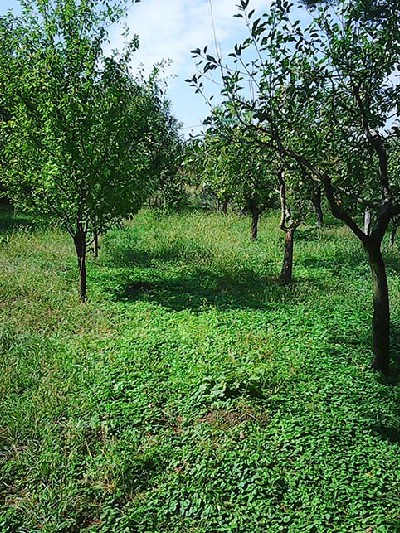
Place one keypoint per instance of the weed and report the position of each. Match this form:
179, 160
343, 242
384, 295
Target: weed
194, 393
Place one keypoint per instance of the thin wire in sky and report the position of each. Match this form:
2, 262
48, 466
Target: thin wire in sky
217, 50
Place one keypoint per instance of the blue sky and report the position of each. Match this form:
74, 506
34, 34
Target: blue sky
169, 30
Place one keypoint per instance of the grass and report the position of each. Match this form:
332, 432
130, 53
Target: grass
193, 392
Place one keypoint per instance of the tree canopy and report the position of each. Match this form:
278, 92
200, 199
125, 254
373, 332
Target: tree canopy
326, 96
87, 140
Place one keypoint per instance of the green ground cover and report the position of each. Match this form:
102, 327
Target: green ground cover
194, 393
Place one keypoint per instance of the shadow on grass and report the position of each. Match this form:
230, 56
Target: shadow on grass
201, 289
393, 378
180, 278
313, 233
337, 262
174, 254
387, 433
354, 259
392, 260
11, 222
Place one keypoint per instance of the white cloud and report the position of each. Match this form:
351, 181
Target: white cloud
170, 29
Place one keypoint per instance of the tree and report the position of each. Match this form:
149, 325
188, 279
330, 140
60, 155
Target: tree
172, 184
292, 214
88, 140
326, 97
235, 167
234, 162
4, 119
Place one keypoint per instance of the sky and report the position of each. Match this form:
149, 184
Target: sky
169, 30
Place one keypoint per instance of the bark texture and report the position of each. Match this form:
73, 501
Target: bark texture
381, 309
80, 247
287, 267
255, 216
96, 246
288, 225
316, 200
367, 222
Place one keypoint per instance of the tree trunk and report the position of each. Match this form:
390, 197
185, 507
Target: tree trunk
316, 200
393, 235
96, 246
224, 207
255, 216
367, 222
80, 246
288, 225
287, 267
381, 310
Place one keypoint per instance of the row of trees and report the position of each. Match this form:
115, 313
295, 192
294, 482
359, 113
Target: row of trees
83, 140
309, 108
322, 99
234, 164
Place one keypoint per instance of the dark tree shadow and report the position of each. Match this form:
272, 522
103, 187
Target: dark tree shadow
195, 283
138, 257
393, 378
11, 222
147, 276
389, 434
335, 263
392, 259
313, 233
356, 259
201, 288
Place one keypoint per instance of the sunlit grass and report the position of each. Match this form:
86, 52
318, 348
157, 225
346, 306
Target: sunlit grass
194, 392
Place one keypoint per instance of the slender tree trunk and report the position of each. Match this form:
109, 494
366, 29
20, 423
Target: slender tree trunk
96, 246
316, 200
255, 217
287, 267
80, 246
381, 310
288, 225
224, 207
393, 235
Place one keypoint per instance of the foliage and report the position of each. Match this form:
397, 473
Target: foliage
88, 141
321, 93
235, 166
325, 95
173, 183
